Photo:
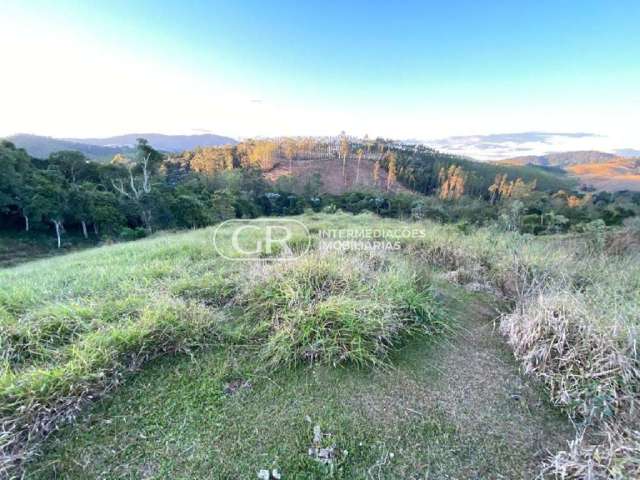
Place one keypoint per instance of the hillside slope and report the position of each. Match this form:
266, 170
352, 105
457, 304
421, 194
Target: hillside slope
603, 171
444, 406
618, 174
329, 173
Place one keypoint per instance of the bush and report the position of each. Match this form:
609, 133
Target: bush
129, 234
331, 208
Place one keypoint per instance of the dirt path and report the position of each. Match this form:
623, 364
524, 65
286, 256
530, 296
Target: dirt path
473, 381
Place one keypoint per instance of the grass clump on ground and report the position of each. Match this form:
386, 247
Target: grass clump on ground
583, 345
71, 328
338, 308
220, 414
37, 396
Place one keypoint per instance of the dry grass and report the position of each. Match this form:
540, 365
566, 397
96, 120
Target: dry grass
583, 346
619, 174
573, 319
612, 453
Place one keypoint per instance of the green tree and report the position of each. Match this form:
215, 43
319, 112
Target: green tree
107, 213
74, 166
50, 200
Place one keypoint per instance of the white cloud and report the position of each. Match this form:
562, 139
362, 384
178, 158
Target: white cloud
501, 146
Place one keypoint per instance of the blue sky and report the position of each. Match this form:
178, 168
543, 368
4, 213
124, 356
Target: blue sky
405, 69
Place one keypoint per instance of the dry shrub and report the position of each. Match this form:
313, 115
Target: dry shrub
592, 371
623, 242
613, 454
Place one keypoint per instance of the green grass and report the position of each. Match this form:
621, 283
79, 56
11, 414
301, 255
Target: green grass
175, 420
336, 308
308, 335
72, 327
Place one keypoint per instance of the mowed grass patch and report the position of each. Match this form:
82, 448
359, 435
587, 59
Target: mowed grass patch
178, 419
186, 426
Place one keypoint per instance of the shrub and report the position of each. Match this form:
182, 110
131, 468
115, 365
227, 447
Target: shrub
331, 208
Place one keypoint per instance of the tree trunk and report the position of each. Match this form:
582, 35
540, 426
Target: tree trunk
146, 220
58, 226
84, 229
146, 188
26, 223
95, 229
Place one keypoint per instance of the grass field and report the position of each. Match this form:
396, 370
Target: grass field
175, 362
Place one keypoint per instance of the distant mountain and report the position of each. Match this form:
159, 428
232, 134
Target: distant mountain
628, 152
166, 143
562, 159
604, 171
41, 147
105, 148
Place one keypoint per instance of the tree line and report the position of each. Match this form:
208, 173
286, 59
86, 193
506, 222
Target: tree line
134, 195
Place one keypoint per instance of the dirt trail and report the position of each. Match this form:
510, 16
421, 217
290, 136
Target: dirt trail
473, 380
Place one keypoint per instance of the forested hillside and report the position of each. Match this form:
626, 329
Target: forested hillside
146, 190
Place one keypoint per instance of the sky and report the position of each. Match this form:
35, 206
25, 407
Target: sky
406, 69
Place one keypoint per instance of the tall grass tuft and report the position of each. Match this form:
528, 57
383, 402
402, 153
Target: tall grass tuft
48, 374
338, 309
